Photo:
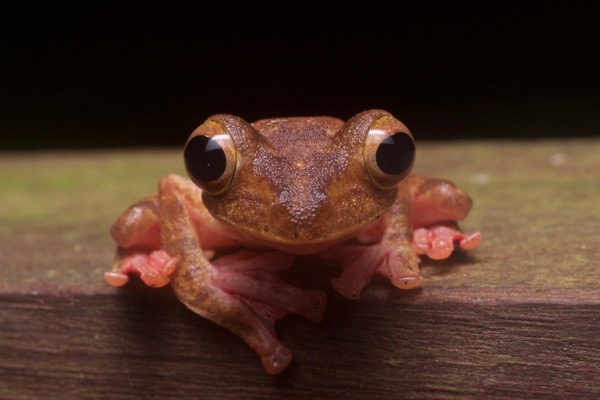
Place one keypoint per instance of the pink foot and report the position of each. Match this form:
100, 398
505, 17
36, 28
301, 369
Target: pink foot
438, 242
154, 269
255, 279
252, 298
361, 263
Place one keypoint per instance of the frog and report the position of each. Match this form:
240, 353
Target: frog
259, 195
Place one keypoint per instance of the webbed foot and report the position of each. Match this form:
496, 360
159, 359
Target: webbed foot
439, 241
360, 263
153, 268
254, 278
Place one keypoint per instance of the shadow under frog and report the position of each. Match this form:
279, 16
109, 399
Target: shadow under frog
261, 193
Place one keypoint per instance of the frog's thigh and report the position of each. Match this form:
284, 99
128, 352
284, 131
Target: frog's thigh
141, 224
137, 234
436, 200
138, 225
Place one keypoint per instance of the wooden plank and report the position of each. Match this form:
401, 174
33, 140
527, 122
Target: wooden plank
516, 318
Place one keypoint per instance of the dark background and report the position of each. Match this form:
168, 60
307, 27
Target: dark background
120, 74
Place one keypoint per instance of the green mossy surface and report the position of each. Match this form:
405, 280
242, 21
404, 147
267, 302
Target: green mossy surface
537, 204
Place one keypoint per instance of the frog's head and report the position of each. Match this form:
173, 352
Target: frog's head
300, 180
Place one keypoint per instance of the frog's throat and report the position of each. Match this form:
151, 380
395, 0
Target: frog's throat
294, 246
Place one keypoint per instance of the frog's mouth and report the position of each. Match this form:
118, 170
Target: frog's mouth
299, 245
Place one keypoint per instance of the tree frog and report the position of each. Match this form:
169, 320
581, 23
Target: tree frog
261, 193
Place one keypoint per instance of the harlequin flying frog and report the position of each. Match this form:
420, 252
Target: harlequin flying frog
261, 193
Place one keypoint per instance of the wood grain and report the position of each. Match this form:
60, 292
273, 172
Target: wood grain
517, 318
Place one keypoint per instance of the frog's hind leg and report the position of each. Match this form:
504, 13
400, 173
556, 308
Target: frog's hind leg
137, 234
254, 277
436, 206
242, 291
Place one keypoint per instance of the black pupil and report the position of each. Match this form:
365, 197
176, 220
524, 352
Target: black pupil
395, 153
204, 159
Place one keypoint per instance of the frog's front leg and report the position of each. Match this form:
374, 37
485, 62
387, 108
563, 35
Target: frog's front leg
436, 206
242, 291
388, 252
423, 220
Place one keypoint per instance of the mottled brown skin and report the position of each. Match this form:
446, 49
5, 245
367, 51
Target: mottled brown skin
305, 186
304, 169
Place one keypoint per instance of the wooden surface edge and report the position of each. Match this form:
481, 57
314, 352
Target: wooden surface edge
145, 344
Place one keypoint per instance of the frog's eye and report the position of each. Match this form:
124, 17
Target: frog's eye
210, 161
389, 158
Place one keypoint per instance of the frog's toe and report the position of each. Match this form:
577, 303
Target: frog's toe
276, 362
359, 265
401, 267
313, 308
436, 242
156, 268
348, 288
116, 279
407, 282
470, 242
441, 247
